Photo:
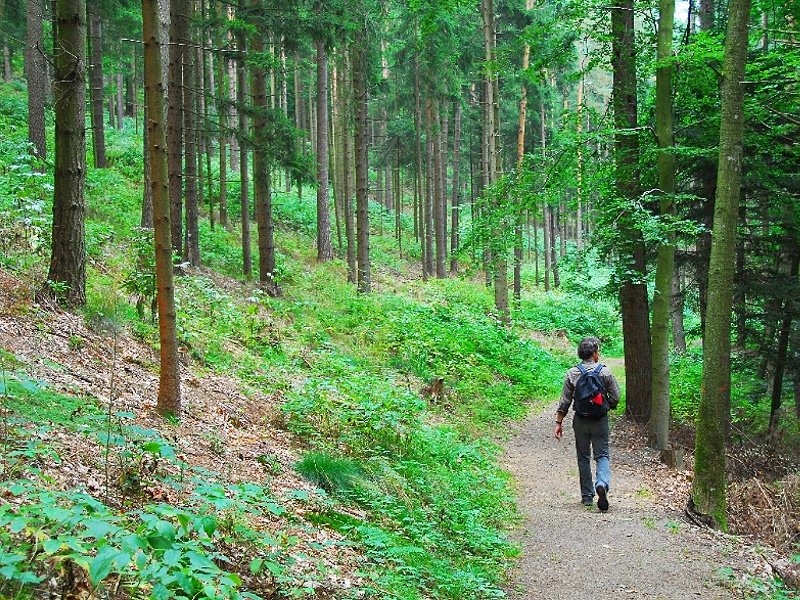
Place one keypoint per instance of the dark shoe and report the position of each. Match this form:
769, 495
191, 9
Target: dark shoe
587, 501
602, 499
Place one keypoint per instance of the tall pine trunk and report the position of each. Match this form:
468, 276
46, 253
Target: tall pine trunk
169, 389
190, 137
68, 258
633, 293
324, 245
96, 87
244, 182
178, 32
262, 192
36, 73
362, 161
456, 199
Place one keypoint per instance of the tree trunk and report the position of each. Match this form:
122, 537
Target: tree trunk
706, 15
338, 152
430, 192
96, 87
709, 483
783, 343
553, 245
419, 220
347, 165
633, 294
178, 32
362, 161
190, 137
169, 389
438, 193
120, 88
36, 73
455, 203
324, 246
244, 197
676, 314
224, 127
523, 115
660, 408
67, 273
262, 193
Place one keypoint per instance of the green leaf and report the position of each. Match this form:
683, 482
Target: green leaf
99, 529
52, 546
101, 564
255, 565
18, 524
172, 557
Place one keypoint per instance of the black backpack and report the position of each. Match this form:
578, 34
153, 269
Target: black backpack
590, 394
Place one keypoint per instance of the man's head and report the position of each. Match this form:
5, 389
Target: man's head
587, 347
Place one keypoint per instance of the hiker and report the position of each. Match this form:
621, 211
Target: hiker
593, 390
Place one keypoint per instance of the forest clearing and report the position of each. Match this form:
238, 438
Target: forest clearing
289, 294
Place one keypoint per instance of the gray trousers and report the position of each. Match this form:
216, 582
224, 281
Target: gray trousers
591, 436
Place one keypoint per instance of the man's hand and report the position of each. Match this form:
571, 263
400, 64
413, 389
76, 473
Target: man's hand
559, 431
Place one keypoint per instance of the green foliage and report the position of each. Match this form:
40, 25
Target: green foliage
31, 400
170, 551
331, 473
576, 316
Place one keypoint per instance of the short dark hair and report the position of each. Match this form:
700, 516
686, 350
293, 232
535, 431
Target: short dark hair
587, 347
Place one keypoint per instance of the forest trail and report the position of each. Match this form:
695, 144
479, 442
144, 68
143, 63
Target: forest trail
636, 550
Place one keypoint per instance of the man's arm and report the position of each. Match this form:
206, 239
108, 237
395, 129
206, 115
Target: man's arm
563, 404
612, 389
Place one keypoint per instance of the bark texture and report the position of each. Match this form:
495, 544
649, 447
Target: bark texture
709, 483
169, 389
68, 259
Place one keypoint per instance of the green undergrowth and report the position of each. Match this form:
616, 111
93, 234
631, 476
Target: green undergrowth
397, 398
202, 546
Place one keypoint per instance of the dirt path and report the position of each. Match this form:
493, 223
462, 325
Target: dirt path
635, 550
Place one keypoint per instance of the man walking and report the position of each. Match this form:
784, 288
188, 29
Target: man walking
594, 391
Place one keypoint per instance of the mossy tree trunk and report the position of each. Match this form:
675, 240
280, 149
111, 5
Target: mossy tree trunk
709, 484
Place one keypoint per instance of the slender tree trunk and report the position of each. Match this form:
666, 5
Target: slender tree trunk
178, 33
676, 314
633, 294
438, 193
660, 409
428, 210
419, 221
161, 31
709, 483
523, 117
324, 246
362, 161
455, 203
169, 389
68, 257
120, 96
783, 347
233, 94
96, 87
261, 176
347, 163
224, 126
36, 73
553, 254
190, 137
338, 152
244, 194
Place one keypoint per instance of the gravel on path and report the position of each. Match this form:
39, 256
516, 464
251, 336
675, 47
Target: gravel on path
634, 551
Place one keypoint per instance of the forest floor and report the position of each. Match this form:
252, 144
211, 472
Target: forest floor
643, 547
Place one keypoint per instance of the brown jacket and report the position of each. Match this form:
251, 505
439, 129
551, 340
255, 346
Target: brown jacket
571, 378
